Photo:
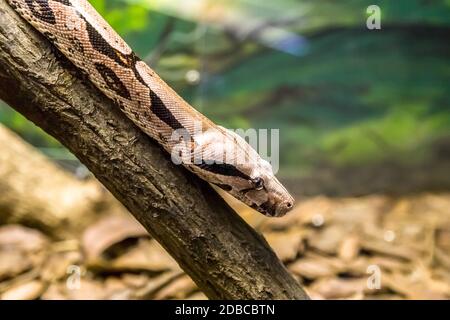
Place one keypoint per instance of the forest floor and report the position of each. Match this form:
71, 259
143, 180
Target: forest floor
371, 247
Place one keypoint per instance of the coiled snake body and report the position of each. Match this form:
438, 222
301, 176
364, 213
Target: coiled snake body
87, 40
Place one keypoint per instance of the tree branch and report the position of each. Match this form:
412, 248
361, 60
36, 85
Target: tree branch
223, 255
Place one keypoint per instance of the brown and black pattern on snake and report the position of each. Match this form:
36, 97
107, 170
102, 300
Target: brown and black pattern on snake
77, 46
163, 113
136, 72
102, 46
223, 169
113, 81
125, 60
128, 61
41, 10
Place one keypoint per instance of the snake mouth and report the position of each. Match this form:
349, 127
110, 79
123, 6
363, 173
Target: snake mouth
269, 208
266, 209
274, 210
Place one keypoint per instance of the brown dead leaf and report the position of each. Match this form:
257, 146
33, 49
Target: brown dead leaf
147, 255
57, 265
390, 249
109, 231
313, 295
13, 263
116, 289
177, 289
135, 281
198, 296
443, 238
21, 238
356, 267
338, 288
312, 268
286, 244
88, 290
157, 283
329, 239
55, 291
417, 285
359, 212
442, 274
125, 294
26, 291
349, 248
442, 258
389, 263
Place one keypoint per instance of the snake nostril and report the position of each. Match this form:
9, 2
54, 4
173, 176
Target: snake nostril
289, 205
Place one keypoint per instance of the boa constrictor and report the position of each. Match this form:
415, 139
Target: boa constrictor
87, 40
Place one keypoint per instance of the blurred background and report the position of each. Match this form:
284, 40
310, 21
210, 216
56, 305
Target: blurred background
364, 119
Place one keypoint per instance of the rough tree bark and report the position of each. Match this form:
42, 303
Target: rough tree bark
223, 255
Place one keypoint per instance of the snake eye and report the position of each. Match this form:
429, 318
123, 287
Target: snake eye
258, 183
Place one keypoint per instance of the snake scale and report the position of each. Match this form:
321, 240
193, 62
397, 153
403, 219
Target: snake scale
87, 40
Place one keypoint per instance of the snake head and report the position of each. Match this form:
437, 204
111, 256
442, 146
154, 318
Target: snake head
268, 196
244, 174
262, 191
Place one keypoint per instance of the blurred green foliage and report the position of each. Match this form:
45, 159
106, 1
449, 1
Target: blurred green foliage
339, 93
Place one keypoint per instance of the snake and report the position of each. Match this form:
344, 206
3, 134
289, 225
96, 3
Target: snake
215, 154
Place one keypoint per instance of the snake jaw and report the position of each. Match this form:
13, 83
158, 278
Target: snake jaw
272, 201
279, 201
